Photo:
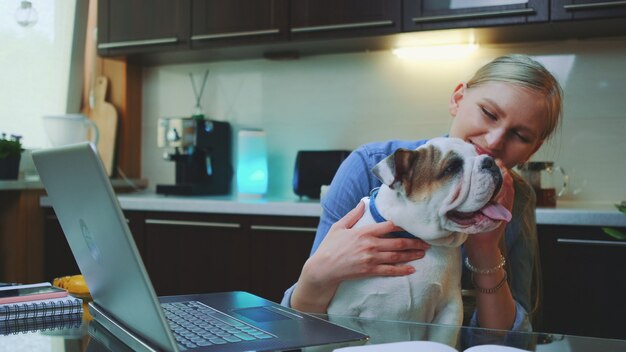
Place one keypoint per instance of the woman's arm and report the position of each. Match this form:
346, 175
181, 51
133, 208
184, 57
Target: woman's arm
495, 306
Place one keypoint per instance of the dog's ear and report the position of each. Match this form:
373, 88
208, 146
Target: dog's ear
396, 167
385, 170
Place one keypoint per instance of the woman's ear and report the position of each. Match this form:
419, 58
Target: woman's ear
456, 97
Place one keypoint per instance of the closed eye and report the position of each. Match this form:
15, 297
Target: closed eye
489, 115
453, 166
522, 137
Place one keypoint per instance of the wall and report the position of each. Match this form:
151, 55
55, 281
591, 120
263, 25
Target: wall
35, 68
342, 101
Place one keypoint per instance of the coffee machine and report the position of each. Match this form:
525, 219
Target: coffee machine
202, 155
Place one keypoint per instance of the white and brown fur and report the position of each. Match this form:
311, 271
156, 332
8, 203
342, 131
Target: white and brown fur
421, 189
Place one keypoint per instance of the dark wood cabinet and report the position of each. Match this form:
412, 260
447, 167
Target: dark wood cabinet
195, 253
199, 253
583, 281
279, 246
586, 9
582, 267
233, 22
435, 14
164, 31
139, 26
331, 19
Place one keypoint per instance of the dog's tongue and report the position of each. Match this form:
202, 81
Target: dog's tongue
496, 211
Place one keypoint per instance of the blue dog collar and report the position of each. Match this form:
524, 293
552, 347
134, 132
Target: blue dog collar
379, 218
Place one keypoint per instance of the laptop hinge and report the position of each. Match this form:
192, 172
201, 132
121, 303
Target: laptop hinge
116, 329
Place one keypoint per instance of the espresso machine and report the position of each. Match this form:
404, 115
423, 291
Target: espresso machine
201, 154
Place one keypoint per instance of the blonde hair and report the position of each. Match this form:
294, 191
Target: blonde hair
525, 72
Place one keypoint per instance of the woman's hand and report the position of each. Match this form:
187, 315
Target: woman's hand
493, 310
347, 253
475, 244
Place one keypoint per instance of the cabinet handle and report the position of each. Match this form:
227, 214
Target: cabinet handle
591, 6
131, 43
234, 34
193, 223
465, 16
342, 26
282, 228
592, 242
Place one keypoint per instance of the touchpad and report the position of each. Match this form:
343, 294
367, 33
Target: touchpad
260, 314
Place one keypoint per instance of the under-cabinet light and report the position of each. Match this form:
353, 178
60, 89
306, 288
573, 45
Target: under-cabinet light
436, 52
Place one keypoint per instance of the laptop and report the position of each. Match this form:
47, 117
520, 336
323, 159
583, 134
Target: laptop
124, 300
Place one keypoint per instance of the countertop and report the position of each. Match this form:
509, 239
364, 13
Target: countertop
35, 184
21, 184
566, 213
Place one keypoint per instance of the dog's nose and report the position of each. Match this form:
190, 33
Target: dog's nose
489, 164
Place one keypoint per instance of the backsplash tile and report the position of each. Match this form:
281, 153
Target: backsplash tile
342, 101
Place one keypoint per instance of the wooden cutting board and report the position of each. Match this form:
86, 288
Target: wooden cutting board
105, 117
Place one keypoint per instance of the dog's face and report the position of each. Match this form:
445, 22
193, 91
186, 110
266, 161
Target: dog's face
442, 187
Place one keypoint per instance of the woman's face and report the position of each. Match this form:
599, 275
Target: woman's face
500, 119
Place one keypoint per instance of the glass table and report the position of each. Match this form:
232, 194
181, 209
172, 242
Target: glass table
89, 336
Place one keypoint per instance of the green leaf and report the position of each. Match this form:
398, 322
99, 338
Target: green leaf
621, 207
614, 233
9, 147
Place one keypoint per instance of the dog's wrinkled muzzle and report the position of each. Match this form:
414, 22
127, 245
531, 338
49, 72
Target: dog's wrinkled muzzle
492, 210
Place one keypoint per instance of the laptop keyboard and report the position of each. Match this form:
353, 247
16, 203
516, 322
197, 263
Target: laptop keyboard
195, 324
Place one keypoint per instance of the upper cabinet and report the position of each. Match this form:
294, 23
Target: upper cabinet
438, 14
343, 18
233, 22
587, 9
167, 31
139, 26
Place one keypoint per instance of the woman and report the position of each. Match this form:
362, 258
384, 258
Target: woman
507, 110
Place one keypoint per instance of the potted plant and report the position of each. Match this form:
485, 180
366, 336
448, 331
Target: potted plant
10, 154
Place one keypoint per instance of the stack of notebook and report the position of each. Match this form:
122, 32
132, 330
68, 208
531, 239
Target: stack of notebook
37, 307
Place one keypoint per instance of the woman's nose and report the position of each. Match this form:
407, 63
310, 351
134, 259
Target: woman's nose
495, 138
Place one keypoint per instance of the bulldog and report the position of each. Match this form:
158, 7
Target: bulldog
440, 193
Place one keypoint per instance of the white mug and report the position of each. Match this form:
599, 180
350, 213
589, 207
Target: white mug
70, 129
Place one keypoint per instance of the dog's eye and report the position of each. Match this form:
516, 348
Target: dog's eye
453, 167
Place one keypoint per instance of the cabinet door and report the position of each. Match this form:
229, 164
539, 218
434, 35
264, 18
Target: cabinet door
587, 9
232, 22
279, 248
583, 281
196, 253
343, 18
436, 14
141, 26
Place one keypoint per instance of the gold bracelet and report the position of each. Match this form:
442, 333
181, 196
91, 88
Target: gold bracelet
492, 289
481, 271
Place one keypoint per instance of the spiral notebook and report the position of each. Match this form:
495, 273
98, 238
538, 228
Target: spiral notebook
37, 324
41, 308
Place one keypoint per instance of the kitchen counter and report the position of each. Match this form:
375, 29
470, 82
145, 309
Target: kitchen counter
22, 184
35, 184
566, 213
